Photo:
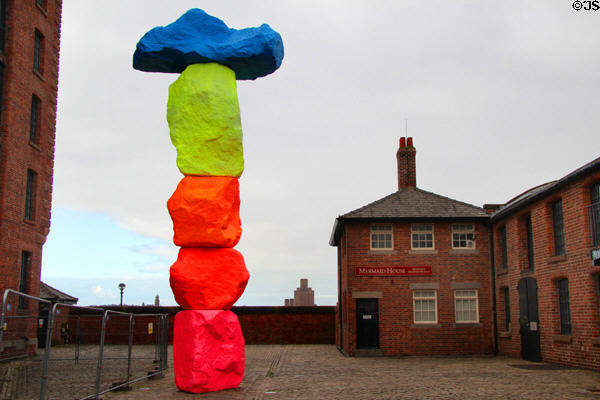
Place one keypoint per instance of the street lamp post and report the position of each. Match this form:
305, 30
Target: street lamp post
122, 288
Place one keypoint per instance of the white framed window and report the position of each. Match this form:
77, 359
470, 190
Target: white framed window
382, 237
425, 306
466, 307
422, 236
463, 236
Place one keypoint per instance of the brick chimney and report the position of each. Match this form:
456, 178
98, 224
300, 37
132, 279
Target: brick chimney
407, 175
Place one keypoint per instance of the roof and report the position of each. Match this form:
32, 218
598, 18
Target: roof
409, 203
47, 292
538, 192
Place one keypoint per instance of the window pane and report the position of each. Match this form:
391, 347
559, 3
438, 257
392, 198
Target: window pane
595, 214
465, 305
565, 307
29, 195
34, 119
37, 51
463, 236
381, 237
559, 235
506, 310
422, 236
24, 273
503, 247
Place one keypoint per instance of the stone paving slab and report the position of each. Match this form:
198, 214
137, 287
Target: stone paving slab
322, 372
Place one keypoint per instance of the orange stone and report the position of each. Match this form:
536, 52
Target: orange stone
205, 212
208, 278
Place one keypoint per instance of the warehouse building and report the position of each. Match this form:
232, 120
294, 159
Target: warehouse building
29, 47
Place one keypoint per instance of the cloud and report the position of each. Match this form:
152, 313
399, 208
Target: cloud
99, 291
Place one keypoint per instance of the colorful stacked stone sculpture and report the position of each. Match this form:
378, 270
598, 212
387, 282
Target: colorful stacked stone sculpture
204, 120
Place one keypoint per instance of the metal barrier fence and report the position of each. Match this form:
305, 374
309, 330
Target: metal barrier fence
81, 352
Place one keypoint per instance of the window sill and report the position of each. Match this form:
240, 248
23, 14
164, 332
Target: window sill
504, 335
557, 259
502, 272
464, 251
468, 324
424, 251
425, 326
562, 338
29, 221
381, 252
35, 146
39, 75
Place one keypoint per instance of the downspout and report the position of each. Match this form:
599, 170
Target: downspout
494, 300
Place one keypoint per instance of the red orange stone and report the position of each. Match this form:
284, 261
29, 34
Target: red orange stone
208, 351
205, 212
208, 278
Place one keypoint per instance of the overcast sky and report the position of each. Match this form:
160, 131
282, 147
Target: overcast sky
499, 97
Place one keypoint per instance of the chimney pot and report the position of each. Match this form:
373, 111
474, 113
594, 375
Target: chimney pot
407, 177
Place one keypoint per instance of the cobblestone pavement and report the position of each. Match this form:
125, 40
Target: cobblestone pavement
321, 372
72, 375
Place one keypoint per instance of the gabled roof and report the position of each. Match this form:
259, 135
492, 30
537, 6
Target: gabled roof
47, 292
409, 203
541, 191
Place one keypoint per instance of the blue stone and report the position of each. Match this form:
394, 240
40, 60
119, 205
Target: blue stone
197, 37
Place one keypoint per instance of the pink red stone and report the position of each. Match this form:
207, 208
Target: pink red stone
205, 212
208, 278
208, 351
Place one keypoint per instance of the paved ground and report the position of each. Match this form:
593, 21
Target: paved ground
72, 371
321, 372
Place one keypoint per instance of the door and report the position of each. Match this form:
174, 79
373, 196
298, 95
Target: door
42, 331
529, 320
367, 324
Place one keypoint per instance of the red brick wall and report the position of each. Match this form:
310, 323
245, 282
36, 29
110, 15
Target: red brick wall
577, 266
397, 334
260, 325
17, 154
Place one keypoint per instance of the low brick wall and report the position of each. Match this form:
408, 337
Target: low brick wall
260, 325
287, 325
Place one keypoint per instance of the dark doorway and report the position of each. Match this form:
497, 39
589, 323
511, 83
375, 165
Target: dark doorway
367, 324
529, 320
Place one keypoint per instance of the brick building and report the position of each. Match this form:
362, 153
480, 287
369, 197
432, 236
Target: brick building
414, 273
29, 47
423, 274
303, 296
546, 243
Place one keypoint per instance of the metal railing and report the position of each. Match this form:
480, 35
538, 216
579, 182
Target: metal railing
86, 351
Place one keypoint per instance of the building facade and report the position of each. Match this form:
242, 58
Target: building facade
414, 273
303, 296
29, 48
422, 274
546, 244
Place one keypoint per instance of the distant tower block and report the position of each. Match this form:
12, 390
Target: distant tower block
304, 296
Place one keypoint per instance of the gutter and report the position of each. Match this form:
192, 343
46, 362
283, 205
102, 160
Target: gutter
577, 174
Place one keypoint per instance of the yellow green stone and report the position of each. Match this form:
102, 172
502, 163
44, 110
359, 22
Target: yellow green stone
204, 120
